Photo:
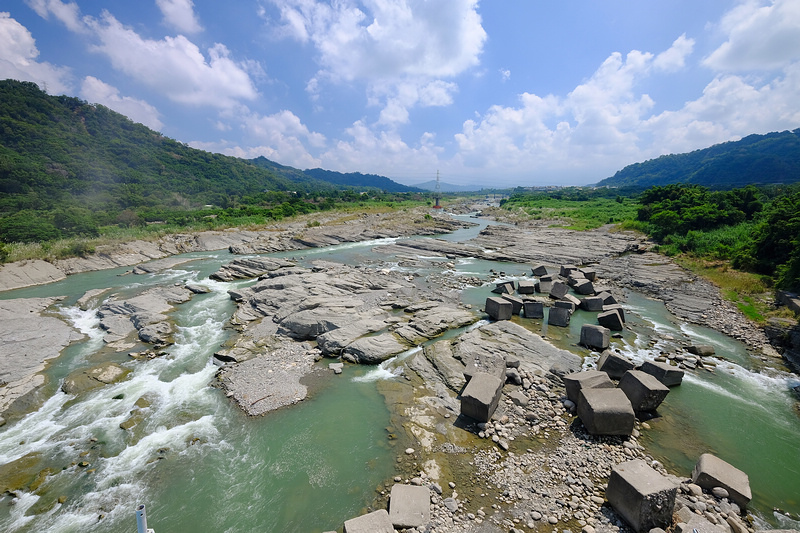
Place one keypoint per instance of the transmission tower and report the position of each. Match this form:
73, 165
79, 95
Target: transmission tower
437, 192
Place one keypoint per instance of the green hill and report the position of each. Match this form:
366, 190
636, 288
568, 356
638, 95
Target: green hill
59, 151
757, 159
360, 180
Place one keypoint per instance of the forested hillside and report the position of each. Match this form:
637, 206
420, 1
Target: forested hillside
757, 159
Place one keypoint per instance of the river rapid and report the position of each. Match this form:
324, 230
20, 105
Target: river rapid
198, 463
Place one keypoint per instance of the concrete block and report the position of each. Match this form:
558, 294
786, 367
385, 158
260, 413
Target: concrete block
516, 303
611, 320
548, 277
613, 364
711, 471
558, 290
588, 379
643, 390
565, 304
544, 286
589, 273
498, 309
575, 277
488, 363
533, 309
573, 299
558, 316
596, 337
410, 506
703, 350
526, 286
566, 270
608, 298
504, 287
480, 397
617, 307
664, 372
642, 496
584, 287
374, 522
701, 525
539, 270
605, 412
592, 303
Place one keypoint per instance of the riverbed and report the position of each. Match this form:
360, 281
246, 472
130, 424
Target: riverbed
198, 463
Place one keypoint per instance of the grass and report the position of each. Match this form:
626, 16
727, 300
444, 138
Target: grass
577, 215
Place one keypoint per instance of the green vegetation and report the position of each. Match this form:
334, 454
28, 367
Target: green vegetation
773, 158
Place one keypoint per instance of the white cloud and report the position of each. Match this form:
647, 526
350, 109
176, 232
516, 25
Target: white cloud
505, 74
18, 55
180, 15
674, 58
67, 13
390, 44
175, 66
97, 91
761, 35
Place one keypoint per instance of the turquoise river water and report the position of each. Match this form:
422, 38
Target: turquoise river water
199, 464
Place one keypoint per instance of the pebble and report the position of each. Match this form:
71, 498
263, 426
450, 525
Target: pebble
409, 451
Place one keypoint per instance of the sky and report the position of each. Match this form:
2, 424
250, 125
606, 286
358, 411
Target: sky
497, 93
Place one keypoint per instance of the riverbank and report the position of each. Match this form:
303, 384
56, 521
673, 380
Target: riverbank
525, 478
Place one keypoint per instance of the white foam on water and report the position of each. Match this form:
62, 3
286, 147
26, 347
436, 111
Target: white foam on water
34, 430
20, 505
387, 369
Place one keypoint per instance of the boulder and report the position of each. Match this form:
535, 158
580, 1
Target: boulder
158, 333
498, 308
410, 506
711, 471
526, 286
559, 290
480, 397
702, 525
533, 309
516, 303
373, 350
640, 495
592, 303
566, 270
617, 307
588, 379
703, 350
596, 337
92, 378
613, 364
643, 390
584, 286
611, 320
558, 316
664, 372
539, 270
606, 412
374, 522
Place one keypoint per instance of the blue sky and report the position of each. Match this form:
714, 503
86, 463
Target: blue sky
492, 93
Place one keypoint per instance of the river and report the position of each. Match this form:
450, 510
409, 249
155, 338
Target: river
199, 464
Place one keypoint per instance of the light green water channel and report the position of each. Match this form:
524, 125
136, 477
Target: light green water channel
199, 464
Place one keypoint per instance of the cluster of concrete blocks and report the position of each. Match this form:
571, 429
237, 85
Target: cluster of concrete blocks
610, 314
409, 507
645, 499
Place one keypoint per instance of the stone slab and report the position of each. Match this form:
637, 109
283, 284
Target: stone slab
410, 506
374, 522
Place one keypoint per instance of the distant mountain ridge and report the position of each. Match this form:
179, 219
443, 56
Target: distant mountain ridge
756, 159
447, 187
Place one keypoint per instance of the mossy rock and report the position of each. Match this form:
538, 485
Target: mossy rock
93, 378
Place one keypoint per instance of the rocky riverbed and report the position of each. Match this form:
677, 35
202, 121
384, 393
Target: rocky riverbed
533, 467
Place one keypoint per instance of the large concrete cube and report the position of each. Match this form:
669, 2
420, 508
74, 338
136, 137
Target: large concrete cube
533, 309
516, 303
539, 270
596, 337
588, 379
643, 390
544, 286
711, 471
618, 307
486, 362
592, 303
613, 364
640, 495
526, 286
558, 316
559, 290
589, 273
566, 270
565, 304
374, 522
606, 412
584, 286
664, 372
504, 287
498, 309
480, 397
611, 320
410, 506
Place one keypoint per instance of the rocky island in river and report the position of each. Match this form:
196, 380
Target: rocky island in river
533, 463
